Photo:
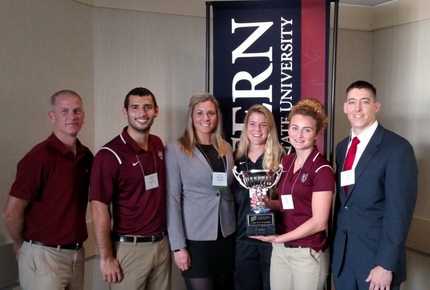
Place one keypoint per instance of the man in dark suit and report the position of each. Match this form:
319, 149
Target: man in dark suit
376, 195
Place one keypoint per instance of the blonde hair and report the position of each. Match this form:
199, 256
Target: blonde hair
189, 140
312, 108
273, 149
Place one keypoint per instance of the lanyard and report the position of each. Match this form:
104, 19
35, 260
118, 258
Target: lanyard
288, 171
141, 167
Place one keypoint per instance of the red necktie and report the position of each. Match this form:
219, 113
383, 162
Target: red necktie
350, 156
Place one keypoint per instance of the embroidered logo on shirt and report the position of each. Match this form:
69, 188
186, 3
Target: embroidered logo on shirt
304, 177
160, 154
134, 164
241, 162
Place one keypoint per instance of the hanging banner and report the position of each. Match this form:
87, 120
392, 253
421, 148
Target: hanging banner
272, 53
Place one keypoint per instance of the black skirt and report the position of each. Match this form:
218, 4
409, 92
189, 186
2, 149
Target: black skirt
211, 258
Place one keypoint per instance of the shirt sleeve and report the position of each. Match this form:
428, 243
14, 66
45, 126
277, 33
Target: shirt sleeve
104, 176
30, 177
324, 178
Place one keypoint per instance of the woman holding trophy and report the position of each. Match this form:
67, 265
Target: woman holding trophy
300, 256
258, 148
200, 209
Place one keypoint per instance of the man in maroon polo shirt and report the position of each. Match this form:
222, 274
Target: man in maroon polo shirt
129, 174
45, 211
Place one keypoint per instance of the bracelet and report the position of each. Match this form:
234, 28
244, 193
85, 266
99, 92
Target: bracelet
177, 250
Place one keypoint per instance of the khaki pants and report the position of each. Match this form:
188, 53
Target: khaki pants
144, 265
298, 268
50, 269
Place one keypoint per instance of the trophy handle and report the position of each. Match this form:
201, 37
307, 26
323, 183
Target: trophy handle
238, 175
278, 174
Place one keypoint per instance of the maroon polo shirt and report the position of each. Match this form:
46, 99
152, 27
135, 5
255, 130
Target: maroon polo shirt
117, 178
316, 175
55, 182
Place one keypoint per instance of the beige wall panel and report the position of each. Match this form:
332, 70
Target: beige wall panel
418, 269
401, 66
354, 17
43, 49
400, 12
354, 62
165, 53
46, 45
177, 7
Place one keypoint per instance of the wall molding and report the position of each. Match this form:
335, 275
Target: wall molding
386, 15
352, 17
196, 8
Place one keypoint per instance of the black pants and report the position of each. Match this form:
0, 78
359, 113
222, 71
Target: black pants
252, 267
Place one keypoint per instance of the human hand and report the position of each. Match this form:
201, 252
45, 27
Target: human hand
17, 250
269, 239
111, 270
182, 259
255, 202
380, 279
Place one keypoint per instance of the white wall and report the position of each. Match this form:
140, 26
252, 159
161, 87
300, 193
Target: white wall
401, 63
165, 53
45, 46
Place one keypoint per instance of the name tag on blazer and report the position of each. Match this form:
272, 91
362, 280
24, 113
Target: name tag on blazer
219, 180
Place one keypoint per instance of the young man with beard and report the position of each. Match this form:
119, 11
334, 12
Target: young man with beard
129, 174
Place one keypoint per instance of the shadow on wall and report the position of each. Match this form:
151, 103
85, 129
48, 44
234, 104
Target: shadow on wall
8, 268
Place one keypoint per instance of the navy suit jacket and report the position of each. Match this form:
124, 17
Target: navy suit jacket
374, 219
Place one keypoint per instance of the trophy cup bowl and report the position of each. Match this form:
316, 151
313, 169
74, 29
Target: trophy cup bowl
258, 181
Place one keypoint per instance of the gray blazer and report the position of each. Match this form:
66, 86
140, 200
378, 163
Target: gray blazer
194, 208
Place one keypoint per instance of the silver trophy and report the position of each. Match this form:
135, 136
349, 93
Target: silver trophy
259, 181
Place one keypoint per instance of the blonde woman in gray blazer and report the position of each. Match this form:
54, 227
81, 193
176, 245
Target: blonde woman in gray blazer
200, 209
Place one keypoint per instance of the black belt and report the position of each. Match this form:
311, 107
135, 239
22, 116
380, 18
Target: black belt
137, 239
74, 246
293, 246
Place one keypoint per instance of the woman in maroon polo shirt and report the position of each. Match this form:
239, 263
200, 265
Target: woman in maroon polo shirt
300, 258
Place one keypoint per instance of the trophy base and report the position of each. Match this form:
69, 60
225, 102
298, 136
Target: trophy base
261, 224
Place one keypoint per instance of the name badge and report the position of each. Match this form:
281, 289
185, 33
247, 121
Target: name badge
287, 201
219, 180
347, 177
151, 181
